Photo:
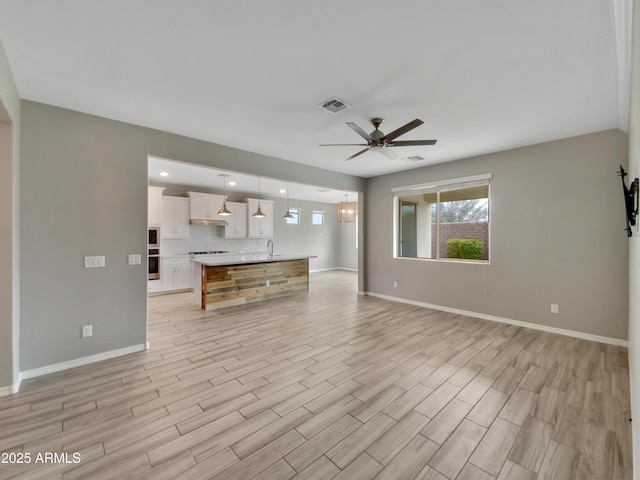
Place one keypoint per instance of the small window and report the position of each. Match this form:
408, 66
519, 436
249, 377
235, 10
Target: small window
445, 220
295, 212
317, 217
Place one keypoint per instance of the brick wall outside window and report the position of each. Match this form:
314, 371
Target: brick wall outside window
477, 230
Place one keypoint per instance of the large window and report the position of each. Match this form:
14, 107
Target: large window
443, 220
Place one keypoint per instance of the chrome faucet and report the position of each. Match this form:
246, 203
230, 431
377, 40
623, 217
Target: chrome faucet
270, 247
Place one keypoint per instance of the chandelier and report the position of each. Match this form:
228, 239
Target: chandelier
347, 210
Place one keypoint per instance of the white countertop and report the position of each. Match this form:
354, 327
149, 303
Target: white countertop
241, 258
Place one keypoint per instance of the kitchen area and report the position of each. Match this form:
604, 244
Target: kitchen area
232, 239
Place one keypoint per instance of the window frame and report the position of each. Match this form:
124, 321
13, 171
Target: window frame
297, 214
318, 212
439, 187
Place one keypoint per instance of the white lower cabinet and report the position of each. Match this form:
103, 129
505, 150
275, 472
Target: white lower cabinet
154, 286
175, 274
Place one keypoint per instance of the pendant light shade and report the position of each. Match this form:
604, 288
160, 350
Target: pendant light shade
224, 211
259, 213
347, 210
287, 215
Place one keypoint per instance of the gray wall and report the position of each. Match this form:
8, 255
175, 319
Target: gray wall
346, 244
634, 243
9, 221
306, 239
556, 237
83, 192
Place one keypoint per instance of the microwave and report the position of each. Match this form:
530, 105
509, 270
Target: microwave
154, 237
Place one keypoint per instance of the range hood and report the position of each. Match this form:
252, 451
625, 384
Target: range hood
215, 223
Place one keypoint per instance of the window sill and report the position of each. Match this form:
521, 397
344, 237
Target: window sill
446, 260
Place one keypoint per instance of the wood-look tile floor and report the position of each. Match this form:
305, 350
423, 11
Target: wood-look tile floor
326, 385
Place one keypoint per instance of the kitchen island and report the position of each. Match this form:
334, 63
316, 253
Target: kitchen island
236, 279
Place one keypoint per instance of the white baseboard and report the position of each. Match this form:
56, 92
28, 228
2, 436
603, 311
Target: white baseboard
11, 389
534, 326
78, 362
333, 268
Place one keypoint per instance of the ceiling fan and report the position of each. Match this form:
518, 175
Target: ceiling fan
380, 142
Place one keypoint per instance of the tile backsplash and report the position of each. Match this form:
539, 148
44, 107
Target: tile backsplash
208, 237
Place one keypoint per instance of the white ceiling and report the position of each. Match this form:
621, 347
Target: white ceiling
198, 177
484, 76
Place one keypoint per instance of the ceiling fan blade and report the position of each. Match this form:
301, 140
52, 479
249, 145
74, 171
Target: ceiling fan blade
388, 153
410, 143
342, 144
402, 130
359, 131
356, 154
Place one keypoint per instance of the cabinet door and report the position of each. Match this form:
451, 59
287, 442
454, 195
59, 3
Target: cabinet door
154, 205
175, 275
237, 227
240, 221
168, 277
260, 227
175, 215
205, 206
182, 279
181, 216
198, 206
253, 223
266, 223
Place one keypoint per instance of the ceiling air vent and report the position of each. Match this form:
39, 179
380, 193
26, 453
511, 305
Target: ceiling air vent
334, 105
415, 158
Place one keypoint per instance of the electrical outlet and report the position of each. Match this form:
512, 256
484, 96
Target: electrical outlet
395, 284
554, 308
268, 283
87, 331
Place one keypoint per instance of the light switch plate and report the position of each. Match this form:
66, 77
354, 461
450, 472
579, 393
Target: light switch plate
135, 259
95, 261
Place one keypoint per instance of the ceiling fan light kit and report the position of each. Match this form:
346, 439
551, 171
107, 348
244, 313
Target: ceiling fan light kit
379, 142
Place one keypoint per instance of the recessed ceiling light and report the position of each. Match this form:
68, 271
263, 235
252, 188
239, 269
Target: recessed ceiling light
232, 183
164, 174
282, 190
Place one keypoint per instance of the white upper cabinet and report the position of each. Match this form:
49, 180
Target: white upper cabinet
237, 227
175, 217
154, 205
260, 227
205, 206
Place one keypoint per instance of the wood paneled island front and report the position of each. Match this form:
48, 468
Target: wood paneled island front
238, 279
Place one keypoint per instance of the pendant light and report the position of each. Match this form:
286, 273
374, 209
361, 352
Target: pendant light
224, 211
287, 215
259, 213
347, 211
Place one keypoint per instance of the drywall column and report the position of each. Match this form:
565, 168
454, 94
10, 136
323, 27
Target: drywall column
9, 278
